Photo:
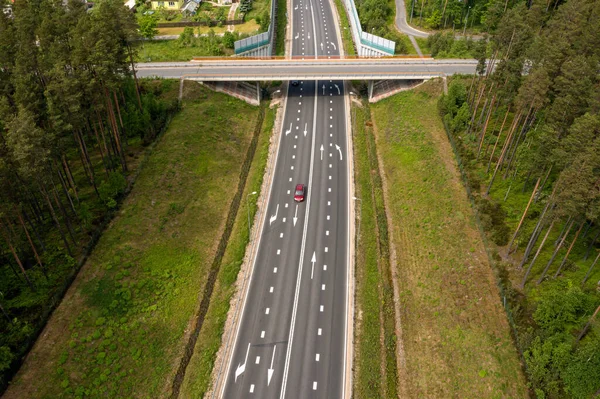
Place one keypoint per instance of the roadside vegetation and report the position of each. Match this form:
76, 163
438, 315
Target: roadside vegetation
375, 370
345, 29
281, 21
455, 338
530, 146
121, 329
197, 377
74, 125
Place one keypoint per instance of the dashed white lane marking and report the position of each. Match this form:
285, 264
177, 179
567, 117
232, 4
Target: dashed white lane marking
330, 126
278, 251
298, 111
274, 270
289, 191
330, 109
252, 388
319, 331
300, 103
317, 357
297, 119
329, 177
331, 144
286, 205
296, 137
257, 359
292, 167
290, 180
297, 127
280, 235
330, 135
330, 101
267, 311
328, 203
330, 165
300, 95
330, 116
321, 309
327, 232
326, 249
314, 385
324, 267
328, 217
293, 157
323, 287
283, 220
330, 155
294, 145
329, 190
262, 334
271, 290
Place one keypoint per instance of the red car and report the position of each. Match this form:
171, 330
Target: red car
299, 193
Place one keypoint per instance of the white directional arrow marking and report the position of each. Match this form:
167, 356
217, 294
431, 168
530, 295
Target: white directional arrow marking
241, 367
321, 152
333, 44
271, 370
274, 218
305, 131
313, 260
288, 131
323, 85
296, 7
295, 218
321, 45
338, 88
297, 35
339, 150
308, 35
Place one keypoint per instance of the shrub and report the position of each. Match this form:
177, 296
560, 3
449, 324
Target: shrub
110, 189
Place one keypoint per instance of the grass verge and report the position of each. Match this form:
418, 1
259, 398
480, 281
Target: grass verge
375, 357
281, 25
455, 333
345, 28
197, 378
120, 330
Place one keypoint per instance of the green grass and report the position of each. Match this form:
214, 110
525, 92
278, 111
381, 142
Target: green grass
198, 373
375, 346
170, 50
122, 325
281, 25
423, 45
258, 8
345, 29
456, 336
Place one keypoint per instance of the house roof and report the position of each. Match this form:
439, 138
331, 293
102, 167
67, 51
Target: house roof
190, 6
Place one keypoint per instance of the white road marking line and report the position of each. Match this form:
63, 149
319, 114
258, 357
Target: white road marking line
328, 217
324, 267
262, 334
313, 260
323, 287
283, 220
331, 144
328, 203
330, 116
319, 331
321, 308
296, 137
290, 180
292, 167
289, 191
257, 360
274, 270
252, 388
286, 205
317, 357
327, 232
294, 145
330, 165
314, 385
278, 251
330, 109
267, 311
329, 177
280, 235
330, 155
326, 249
270, 290
274, 217
328, 190
330, 135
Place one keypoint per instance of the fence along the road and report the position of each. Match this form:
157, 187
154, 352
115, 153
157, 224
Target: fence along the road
260, 45
368, 45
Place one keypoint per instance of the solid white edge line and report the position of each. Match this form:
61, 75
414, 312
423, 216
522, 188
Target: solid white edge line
263, 221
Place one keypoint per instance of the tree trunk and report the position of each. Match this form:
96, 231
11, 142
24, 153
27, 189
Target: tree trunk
487, 120
37, 236
135, 79
118, 109
535, 234
502, 154
543, 184
497, 139
69, 174
587, 275
16, 256
63, 184
587, 326
106, 166
587, 252
536, 255
51, 208
37, 257
64, 212
569, 250
523, 216
562, 231
562, 241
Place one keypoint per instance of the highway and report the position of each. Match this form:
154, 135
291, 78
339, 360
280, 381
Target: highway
291, 338
308, 69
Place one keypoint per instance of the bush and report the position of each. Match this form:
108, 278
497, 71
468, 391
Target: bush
492, 218
112, 188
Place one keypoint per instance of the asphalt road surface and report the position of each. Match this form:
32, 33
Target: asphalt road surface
292, 336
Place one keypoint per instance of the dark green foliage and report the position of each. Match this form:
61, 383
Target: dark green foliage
492, 218
445, 45
71, 120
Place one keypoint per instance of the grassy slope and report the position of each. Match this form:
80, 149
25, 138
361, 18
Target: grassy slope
120, 329
345, 28
198, 373
169, 50
375, 373
455, 333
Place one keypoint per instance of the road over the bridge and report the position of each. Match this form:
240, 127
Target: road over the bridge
235, 69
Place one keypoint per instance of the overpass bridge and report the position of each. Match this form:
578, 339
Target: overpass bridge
221, 70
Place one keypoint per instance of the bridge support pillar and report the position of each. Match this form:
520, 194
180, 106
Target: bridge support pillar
370, 90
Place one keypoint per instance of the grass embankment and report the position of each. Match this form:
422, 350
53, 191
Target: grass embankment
345, 28
281, 21
456, 336
197, 377
171, 50
121, 328
375, 341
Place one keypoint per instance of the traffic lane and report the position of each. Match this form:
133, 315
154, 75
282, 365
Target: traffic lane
276, 263
326, 35
302, 35
316, 369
